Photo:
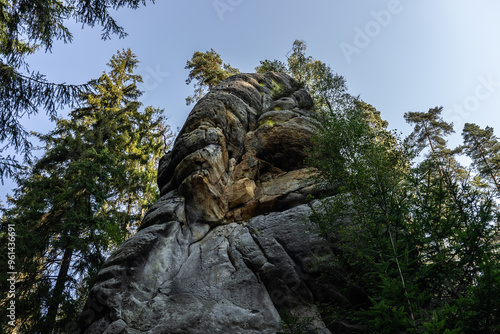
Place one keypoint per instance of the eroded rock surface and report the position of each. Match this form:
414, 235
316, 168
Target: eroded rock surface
227, 248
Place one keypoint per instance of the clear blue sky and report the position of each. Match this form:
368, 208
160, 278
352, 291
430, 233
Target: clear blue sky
398, 55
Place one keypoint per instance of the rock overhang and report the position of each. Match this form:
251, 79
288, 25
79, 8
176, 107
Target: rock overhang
245, 133
227, 247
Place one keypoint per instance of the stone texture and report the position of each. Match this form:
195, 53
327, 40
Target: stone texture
227, 248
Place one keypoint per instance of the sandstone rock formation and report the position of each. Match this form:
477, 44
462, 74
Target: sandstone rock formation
227, 248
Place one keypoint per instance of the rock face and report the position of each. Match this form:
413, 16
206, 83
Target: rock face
227, 248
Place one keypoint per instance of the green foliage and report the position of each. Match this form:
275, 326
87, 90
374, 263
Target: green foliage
294, 324
271, 66
430, 129
24, 95
419, 238
208, 70
328, 89
26, 27
83, 197
386, 318
483, 147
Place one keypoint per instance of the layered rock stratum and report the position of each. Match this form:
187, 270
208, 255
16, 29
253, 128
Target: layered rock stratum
228, 247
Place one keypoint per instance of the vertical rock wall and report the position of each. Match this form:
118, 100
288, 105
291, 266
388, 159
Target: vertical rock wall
227, 248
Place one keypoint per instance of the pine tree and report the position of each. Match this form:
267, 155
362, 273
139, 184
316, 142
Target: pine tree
84, 196
328, 89
430, 130
208, 70
483, 147
271, 66
418, 238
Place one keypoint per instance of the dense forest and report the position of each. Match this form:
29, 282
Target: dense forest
420, 233
419, 236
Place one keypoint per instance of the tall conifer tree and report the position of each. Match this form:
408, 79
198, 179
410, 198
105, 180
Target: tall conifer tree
26, 27
483, 147
84, 196
327, 88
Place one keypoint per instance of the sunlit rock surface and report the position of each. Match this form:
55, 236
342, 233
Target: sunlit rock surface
227, 248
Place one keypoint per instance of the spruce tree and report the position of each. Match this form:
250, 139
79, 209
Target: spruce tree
84, 196
25, 28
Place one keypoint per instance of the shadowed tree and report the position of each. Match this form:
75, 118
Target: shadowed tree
417, 238
84, 196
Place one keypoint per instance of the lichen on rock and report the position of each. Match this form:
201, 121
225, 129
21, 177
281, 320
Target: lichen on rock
227, 248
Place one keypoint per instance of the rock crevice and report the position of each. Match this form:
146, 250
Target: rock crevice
227, 248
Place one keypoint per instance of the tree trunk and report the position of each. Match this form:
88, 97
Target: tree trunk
56, 297
485, 160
